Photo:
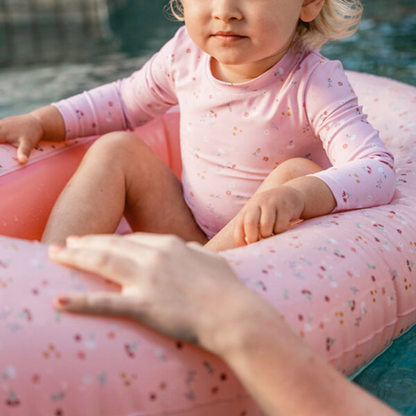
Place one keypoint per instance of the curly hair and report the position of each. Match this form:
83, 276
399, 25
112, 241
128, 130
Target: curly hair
338, 19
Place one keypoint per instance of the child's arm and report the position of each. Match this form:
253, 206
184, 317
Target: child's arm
26, 130
363, 173
286, 195
121, 105
127, 103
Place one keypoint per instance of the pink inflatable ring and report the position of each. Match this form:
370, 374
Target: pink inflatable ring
346, 283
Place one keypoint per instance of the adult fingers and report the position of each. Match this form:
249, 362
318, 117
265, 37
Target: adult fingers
267, 221
158, 241
251, 224
98, 303
199, 248
102, 262
171, 323
124, 245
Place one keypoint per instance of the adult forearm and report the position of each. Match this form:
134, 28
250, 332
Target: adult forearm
52, 123
284, 375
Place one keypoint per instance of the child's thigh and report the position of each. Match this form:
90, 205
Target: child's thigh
154, 196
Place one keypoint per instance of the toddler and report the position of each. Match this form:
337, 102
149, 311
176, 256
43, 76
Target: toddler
271, 131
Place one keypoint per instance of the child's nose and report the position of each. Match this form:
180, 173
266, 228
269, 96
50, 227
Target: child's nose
226, 10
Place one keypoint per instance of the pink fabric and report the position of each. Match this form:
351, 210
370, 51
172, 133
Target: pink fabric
233, 135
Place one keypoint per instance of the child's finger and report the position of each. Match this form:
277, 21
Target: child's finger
239, 236
267, 221
23, 151
282, 222
251, 224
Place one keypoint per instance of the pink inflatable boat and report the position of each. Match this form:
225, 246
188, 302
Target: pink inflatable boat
346, 283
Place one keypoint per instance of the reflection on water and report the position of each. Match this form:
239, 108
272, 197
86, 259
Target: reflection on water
385, 45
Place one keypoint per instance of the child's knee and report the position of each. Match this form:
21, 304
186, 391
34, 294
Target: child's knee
296, 167
116, 147
288, 170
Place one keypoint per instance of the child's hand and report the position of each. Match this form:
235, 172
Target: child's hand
268, 213
23, 132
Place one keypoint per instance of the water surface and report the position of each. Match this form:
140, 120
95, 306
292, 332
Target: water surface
385, 45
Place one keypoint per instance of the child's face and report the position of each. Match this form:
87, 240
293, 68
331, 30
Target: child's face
242, 33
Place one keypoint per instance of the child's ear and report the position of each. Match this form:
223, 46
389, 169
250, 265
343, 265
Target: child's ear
311, 9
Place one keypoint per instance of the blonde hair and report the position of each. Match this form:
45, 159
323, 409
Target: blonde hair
338, 19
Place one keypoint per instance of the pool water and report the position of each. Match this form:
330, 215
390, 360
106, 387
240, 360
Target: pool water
385, 45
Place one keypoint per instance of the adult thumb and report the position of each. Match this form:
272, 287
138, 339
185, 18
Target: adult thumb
97, 303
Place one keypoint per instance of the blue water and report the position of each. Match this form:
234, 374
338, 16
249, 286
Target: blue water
392, 376
385, 45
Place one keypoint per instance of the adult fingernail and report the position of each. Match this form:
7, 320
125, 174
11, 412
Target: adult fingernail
64, 300
72, 238
55, 248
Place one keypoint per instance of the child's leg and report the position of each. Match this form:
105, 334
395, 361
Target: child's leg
288, 170
120, 173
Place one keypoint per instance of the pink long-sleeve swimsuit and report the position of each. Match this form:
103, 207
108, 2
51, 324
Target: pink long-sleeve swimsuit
234, 135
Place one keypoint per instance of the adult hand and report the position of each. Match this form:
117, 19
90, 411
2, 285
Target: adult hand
156, 276
155, 272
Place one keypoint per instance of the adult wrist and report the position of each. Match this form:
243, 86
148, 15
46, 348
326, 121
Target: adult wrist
231, 331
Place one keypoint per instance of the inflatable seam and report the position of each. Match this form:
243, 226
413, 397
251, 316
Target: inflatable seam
191, 408
363, 341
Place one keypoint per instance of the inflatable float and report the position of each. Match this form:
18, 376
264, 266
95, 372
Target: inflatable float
346, 283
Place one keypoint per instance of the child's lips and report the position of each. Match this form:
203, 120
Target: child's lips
228, 37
